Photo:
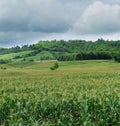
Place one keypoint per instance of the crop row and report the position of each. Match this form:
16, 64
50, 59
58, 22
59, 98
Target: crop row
87, 111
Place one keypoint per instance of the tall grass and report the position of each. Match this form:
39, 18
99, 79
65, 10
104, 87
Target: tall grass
66, 97
71, 112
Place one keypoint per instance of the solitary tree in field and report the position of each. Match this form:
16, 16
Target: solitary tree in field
56, 66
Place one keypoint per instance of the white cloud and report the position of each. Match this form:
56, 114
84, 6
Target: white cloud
99, 17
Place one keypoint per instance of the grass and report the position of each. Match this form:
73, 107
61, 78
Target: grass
12, 55
40, 56
79, 93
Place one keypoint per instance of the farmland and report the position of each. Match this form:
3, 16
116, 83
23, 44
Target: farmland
85, 93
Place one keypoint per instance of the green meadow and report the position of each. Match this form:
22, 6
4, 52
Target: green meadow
78, 93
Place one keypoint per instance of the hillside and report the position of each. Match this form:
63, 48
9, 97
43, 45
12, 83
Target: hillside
52, 50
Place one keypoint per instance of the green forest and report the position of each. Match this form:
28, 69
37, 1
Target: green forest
63, 51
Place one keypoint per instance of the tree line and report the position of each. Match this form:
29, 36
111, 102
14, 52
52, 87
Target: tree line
70, 46
86, 56
70, 50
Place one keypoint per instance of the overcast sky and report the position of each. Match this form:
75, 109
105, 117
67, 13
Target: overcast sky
28, 21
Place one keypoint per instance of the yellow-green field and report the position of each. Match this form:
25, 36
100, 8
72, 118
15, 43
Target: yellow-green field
78, 93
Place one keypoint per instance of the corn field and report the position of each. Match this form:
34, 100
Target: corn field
65, 97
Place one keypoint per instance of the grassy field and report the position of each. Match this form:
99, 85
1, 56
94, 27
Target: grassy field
23, 55
78, 93
12, 55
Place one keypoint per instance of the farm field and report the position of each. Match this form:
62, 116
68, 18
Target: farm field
78, 93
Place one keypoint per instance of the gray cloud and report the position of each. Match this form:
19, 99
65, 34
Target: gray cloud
23, 21
37, 15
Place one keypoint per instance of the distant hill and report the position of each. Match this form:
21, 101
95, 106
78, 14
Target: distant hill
51, 50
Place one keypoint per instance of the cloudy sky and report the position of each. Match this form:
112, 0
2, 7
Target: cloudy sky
28, 21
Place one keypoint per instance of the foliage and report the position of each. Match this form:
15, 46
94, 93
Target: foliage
56, 66
31, 60
117, 58
3, 68
85, 93
65, 112
2, 61
61, 49
67, 57
86, 56
17, 57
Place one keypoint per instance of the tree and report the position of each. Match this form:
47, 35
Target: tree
56, 66
117, 58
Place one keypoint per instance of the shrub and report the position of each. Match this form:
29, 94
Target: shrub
52, 68
31, 60
56, 66
4, 61
117, 58
17, 57
3, 68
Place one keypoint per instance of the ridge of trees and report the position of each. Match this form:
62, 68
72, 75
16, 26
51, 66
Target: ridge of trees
71, 49
70, 46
